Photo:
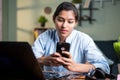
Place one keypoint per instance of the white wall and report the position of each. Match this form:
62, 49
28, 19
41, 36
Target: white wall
106, 26
28, 12
0, 20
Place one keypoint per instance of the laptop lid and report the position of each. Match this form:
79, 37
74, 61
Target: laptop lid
17, 61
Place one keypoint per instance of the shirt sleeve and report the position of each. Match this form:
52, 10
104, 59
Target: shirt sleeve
38, 46
95, 56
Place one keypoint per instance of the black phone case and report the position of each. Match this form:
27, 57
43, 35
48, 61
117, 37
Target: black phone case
62, 47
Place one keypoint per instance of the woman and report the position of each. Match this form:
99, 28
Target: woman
83, 55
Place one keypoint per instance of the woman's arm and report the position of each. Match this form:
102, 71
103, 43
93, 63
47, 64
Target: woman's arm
69, 64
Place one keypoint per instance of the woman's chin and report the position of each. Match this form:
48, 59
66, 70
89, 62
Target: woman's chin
64, 35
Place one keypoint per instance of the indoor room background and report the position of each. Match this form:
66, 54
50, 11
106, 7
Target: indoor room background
19, 18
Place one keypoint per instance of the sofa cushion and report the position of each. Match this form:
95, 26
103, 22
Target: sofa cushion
107, 48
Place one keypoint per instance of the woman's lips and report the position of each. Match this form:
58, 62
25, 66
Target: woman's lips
63, 31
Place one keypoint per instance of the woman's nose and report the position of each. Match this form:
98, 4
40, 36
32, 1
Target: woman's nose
65, 24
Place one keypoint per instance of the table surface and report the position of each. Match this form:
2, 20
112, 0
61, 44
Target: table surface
64, 75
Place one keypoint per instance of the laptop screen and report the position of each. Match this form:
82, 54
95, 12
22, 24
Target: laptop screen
17, 61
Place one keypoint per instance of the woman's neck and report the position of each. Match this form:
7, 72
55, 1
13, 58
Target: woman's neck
62, 39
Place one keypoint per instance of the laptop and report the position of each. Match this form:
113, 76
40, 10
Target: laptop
17, 62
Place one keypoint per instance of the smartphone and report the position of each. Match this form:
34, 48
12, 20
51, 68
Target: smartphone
63, 47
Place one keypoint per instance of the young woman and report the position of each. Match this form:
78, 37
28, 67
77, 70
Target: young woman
83, 55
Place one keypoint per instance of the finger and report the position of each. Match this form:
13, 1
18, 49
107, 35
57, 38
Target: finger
66, 64
59, 60
54, 63
56, 55
67, 53
68, 60
51, 63
56, 60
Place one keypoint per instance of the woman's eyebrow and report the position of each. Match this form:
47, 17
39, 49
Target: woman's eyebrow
71, 19
63, 18
60, 17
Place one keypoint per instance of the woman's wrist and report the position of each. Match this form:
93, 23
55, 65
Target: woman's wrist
41, 60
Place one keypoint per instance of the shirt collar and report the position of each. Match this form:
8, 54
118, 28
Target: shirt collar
69, 38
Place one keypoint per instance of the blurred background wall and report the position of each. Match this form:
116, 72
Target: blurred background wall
23, 15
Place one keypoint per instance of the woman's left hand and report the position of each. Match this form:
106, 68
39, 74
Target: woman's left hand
68, 62
71, 65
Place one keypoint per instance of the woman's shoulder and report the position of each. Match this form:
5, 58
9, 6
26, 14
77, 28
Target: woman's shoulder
80, 33
51, 30
48, 32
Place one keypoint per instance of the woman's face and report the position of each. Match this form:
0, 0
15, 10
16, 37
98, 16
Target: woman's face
64, 23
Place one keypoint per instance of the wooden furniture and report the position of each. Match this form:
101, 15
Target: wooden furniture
87, 17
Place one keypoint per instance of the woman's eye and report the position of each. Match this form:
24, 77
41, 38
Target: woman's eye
60, 20
70, 22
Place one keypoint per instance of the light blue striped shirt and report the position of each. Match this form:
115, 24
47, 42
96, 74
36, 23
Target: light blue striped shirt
82, 49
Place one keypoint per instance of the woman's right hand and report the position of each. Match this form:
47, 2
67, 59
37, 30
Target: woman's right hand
51, 60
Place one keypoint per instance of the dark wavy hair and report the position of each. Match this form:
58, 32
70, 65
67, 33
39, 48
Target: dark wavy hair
66, 6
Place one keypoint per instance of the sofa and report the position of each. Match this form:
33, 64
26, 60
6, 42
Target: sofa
108, 50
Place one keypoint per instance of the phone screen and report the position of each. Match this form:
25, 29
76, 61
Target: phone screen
62, 47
